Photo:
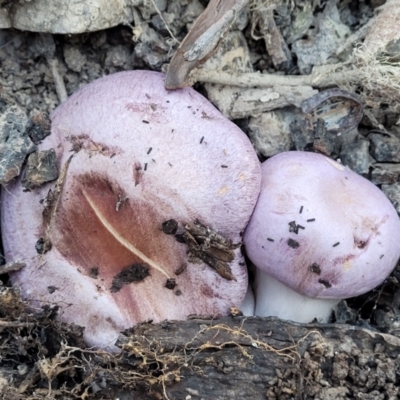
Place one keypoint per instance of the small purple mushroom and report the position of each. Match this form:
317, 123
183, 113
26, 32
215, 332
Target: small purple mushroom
319, 233
151, 169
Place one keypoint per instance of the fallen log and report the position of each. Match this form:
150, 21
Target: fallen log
256, 358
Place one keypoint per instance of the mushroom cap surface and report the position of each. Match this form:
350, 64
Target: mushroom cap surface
141, 156
348, 232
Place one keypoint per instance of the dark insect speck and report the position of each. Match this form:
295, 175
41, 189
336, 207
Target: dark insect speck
170, 284
42, 246
170, 227
301, 210
134, 273
293, 227
181, 269
325, 283
52, 289
336, 244
360, 243
270, 240
315, 268
94, 272
293, 244
179, 238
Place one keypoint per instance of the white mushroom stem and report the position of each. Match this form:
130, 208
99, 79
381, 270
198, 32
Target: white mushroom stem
274, 299
248, 304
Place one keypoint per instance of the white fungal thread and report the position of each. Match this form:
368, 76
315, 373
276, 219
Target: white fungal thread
335, 164
120, 239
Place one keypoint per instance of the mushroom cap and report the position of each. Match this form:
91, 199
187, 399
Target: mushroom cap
348, 232
142, 155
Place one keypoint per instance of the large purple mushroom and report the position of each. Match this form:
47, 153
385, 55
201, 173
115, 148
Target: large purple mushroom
144, 221
319, 233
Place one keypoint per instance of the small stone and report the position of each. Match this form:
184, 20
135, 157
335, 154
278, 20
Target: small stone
356, 156
15, 144
321, 42
324, 141
344, 314
385, 147
302, 138
74, 59
192, 11
39, 128
393, 193
385, 173
117, 56
40, 168
270, 132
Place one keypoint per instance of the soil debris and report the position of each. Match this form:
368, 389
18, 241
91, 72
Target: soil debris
41, 167
206, 245
132, 274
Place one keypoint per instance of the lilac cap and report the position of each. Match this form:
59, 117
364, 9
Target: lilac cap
321, 229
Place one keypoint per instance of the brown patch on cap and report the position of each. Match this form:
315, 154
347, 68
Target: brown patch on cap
361, 244
85, 240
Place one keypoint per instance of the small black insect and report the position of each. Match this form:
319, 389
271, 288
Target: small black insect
43, 245
180, 269
293, 244
170, 226
170, 283
293, 227
315, 268
325, 283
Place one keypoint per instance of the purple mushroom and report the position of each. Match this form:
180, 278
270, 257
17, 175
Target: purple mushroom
319, 233
151, 207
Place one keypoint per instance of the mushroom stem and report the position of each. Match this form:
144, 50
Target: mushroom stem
273, 298
248, 304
